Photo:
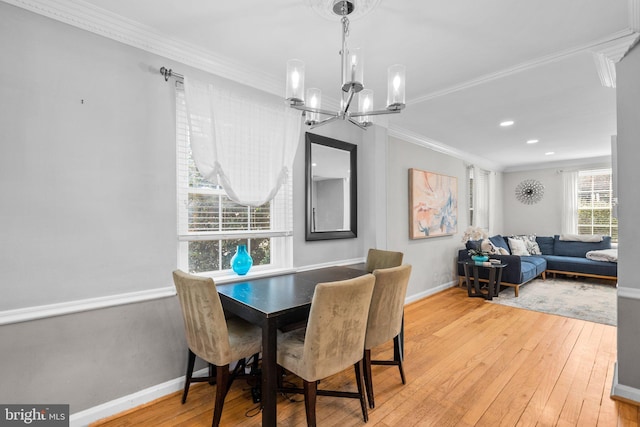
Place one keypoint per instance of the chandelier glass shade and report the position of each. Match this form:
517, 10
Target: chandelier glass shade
352, 84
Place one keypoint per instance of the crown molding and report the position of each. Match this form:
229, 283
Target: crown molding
440, 147
86, 16
524, 66
607, 55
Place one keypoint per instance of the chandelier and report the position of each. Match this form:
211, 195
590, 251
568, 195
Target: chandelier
352, 73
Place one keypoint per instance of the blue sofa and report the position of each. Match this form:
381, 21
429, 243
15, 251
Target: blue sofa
558, 256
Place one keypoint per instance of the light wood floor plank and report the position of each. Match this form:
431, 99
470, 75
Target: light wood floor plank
468, 363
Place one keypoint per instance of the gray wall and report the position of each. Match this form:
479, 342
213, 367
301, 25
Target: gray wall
628, 96
432, 258
85, 129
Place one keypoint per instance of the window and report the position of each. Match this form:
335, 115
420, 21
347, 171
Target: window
211, 226
595, 193
479, 197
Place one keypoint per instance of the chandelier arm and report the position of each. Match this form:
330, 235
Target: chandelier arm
360, 125
374, 113
315, 110
323, 122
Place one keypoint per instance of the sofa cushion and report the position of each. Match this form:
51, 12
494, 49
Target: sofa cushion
581, 265
527, 272
499, 242
578, 249
545, 243
539, 262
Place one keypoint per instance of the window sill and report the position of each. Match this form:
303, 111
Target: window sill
252, 274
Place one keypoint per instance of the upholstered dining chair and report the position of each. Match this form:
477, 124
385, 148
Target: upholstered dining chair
385, 320
332, 341
378, 258
211, 337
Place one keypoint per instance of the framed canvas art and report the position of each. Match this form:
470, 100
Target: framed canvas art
433, 204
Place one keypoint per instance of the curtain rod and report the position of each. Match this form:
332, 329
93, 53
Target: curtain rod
169, 73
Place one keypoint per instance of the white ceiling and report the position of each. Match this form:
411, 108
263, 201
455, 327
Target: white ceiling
470, 64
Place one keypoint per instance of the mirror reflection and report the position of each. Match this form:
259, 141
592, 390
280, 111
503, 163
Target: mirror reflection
331, 188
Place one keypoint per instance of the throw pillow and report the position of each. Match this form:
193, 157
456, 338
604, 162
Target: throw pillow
499, 242
488, 246
530, 243
518, 247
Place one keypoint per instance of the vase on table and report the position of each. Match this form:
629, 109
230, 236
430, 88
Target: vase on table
479, 259
241, 262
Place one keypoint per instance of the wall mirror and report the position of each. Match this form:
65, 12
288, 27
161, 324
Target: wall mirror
331, 188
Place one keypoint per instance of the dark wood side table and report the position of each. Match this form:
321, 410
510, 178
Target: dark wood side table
473, 283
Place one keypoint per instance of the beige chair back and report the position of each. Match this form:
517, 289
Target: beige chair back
377, 258
387, 305
204, 322
337, 324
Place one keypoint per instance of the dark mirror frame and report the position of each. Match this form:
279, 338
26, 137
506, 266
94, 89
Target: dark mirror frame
352, 149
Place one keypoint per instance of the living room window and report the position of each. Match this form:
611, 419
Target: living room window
594, 196
211, 226
478, 197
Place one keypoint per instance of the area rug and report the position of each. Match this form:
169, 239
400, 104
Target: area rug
577, 298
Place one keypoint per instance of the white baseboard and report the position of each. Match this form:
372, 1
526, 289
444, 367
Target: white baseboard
623, 392
627, 292
84, 418
430, 291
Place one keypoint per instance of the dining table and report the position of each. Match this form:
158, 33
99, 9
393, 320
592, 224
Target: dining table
274, 302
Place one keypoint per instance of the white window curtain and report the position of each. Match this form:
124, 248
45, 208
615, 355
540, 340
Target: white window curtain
244, 143
570, 205
481, 198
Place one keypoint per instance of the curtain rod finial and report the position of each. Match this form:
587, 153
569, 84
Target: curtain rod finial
166, 73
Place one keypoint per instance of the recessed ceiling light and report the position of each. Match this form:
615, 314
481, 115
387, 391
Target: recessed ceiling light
549, 153
532, 141
507, 123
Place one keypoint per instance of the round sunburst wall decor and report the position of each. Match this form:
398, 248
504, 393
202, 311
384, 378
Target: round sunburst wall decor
529, 191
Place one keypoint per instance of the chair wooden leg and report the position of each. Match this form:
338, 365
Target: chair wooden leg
363, 403
310, 392
396, 346
191, 359
222, 374
368, 381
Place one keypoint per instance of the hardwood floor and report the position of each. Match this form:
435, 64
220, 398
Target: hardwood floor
468, 363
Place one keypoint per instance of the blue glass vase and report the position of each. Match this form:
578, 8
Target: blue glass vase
241, 262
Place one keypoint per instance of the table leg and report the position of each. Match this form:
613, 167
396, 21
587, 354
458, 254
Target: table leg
467, 279
476, 281
498, 280
269, 373
491, 284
